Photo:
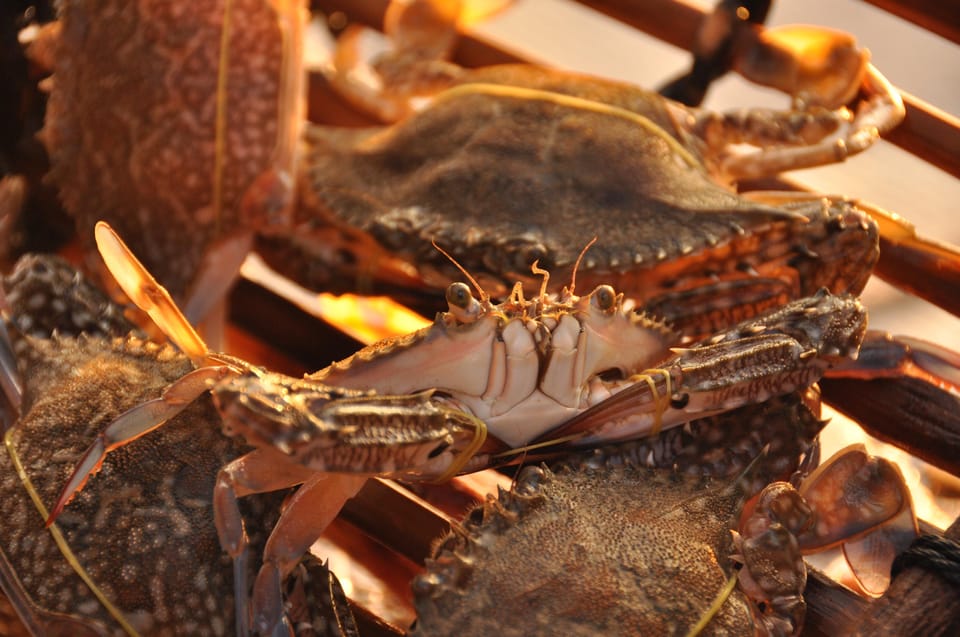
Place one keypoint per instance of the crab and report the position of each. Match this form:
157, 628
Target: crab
66, 329
510, 164
470, 391
138, 553
839, 221
605, 544
666, 176
180, 123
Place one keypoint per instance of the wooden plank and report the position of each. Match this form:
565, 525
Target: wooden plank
936, 16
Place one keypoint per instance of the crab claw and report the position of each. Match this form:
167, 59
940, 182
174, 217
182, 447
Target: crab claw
342, 430
818, 66
775, 354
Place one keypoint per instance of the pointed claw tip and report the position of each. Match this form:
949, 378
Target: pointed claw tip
54, 514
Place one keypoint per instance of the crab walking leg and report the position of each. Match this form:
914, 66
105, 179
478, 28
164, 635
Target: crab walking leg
309, 511
259, 471
883, 112
136, 422
699, 383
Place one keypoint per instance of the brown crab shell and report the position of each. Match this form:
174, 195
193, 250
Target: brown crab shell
501, 180
536, 567
627, 540
142, 528
144, 132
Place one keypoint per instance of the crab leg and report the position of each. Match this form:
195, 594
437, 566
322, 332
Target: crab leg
259, 471
772, 355
824, 70
855, 500
310, 510
862, 503
134, 423
421, 34
851, 493
862, 132
144, 290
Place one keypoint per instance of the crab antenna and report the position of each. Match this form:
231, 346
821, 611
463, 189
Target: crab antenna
741, 484
151, 297
536, 269
483, 295
576, 265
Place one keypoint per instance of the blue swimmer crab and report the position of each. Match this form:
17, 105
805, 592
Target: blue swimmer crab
516, 163
367, 203
180, 122
465, 393
138, 553
603, 544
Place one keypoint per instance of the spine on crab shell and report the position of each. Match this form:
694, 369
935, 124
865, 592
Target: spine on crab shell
455, 553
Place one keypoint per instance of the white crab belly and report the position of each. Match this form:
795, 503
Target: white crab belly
527, 420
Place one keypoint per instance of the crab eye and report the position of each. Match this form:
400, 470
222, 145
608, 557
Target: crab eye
604, 297
458, 295
462, 305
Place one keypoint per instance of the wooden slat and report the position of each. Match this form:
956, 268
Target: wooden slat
398, 519
937, 16
930, 134
673, 21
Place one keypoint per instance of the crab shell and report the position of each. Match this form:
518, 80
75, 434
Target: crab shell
178, 123
529, 165
662, 536
142, 532
616, 551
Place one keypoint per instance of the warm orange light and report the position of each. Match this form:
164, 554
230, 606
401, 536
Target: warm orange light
368, 318
475, 11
